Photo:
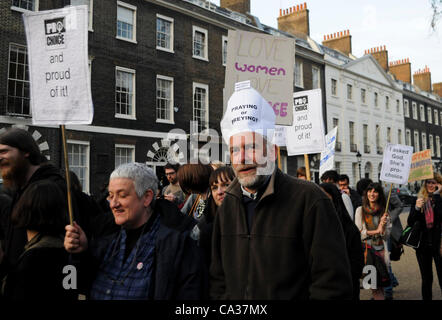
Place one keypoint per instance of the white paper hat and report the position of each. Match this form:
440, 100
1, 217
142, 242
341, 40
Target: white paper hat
247, 111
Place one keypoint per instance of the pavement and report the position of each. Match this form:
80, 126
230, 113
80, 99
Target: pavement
407, 272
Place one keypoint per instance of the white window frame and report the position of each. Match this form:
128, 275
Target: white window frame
134, 18
351, 132
363, 96
387, 103
19, 46
415, 111
36, 7
408, 137
206, 43
388, 135
429, 115
300, 83
406, 109
436, 117
335, 93
399, 136
123, 146
206, 87
365, 135
318, 82
422, 113
430, 138
376, 99
349, 90
438, 146
132, 116
224, 45
86, 187
336, 124
416, 141
424, 141
172, 120
378, 136
171, 20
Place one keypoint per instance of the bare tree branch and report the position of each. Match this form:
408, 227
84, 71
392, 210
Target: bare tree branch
436, 6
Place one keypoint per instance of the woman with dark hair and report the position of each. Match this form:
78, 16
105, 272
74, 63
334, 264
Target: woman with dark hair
38, 274
194, 180
351, 234
374, 224
428, 213
219, 181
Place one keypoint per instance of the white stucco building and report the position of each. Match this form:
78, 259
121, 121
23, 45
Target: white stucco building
366, 105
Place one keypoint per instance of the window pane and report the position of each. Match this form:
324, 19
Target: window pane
124, 92
18, 81
78, 163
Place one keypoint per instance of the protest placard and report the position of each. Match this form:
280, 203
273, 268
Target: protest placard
328, 156
267, 61
306, 135
58, 66
421, 166
396, 163
279, 136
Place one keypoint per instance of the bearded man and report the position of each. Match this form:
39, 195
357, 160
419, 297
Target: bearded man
275, 237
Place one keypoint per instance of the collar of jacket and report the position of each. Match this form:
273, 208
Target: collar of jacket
236, 191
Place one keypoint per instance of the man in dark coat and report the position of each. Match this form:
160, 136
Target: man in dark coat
152, 255
274, 237
344, 186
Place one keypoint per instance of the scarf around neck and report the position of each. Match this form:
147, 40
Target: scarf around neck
429, 213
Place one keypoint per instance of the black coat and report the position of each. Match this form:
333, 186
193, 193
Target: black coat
294, 250
178, 273
89, 216
429, 236
38, 275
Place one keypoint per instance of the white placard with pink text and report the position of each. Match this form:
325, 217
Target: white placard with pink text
268, 62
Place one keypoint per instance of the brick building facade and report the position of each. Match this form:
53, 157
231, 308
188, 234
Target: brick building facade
155, 66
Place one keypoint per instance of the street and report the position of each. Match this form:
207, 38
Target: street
407, 273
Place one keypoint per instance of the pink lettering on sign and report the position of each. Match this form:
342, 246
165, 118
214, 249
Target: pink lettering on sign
280, 108
273, 71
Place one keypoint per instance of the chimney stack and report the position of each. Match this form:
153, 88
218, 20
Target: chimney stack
381, 55
241, 6
295, 20
340, 41
401, 69
422, 79
437, 88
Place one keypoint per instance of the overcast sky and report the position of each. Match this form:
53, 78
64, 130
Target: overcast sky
403, 26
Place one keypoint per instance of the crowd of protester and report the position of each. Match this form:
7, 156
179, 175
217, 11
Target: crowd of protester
245, 231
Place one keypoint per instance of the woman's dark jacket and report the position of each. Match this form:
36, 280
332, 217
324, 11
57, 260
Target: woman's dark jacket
430, 237
38, 273
178, 273
93, 222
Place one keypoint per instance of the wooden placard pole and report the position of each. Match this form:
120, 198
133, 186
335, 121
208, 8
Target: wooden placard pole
307, 167
68, 177
279, 158
388, 200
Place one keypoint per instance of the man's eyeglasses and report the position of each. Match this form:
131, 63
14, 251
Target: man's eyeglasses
170, 173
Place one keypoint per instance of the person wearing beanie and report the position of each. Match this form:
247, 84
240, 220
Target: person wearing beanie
275, 236
21, 166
